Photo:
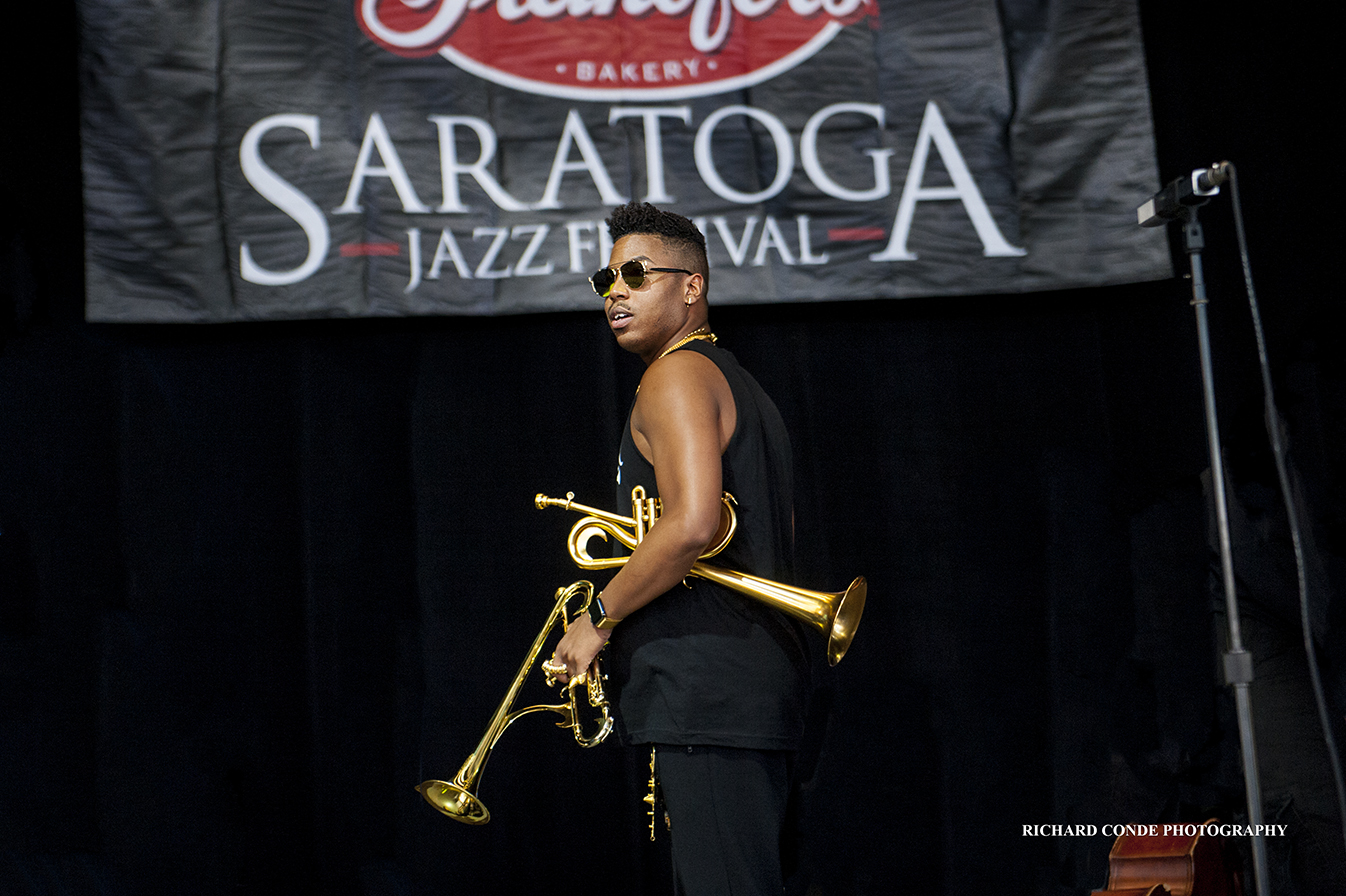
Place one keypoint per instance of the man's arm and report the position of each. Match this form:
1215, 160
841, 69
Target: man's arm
682, 421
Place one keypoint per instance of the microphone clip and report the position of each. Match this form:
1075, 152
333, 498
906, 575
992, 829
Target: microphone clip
1189, 191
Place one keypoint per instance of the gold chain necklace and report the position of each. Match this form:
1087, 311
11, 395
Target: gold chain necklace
698, 333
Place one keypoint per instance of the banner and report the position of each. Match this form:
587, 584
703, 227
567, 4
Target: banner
246, 160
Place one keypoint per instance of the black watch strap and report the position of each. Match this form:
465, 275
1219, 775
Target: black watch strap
598, 615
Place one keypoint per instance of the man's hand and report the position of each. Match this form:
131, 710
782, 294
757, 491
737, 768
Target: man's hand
579, 647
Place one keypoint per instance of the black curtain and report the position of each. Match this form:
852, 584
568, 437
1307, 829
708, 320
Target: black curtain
257, 581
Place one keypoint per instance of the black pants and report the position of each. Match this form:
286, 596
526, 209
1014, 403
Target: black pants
726, 807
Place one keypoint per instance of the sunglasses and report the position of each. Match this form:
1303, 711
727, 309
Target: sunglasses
633, 272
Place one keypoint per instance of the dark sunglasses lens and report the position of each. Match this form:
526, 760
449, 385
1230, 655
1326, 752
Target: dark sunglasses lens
633, 272
603, 281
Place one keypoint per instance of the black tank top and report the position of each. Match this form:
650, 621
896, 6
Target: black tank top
705, 664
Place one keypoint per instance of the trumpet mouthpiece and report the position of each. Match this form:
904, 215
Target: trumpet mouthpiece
543, 502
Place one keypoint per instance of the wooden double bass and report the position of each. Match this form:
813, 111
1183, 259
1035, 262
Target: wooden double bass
1169, 865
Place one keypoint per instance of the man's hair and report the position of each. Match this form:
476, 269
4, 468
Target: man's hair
675, 231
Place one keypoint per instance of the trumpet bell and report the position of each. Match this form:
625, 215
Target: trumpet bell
834, 613
454, 801
846, 619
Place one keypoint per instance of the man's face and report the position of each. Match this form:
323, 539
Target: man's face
646, 320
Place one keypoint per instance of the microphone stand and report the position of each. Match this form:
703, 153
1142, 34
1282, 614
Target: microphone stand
1238, 662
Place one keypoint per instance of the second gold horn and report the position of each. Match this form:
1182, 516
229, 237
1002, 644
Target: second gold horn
835, 614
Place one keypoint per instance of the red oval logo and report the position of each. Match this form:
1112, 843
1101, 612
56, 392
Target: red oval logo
607, 49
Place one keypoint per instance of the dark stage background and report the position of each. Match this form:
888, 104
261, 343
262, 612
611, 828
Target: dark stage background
257, 581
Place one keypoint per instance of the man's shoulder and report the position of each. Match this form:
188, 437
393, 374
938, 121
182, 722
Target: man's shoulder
681, 371
681, 387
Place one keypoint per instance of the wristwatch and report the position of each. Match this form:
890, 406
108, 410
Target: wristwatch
598, 615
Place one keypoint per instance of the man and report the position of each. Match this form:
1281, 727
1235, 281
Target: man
715, 681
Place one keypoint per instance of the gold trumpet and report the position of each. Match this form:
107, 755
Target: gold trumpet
835, 614
458, 798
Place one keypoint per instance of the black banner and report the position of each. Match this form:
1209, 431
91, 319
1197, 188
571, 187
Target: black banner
251, 161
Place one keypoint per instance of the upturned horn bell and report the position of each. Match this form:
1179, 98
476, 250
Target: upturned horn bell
835, 614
